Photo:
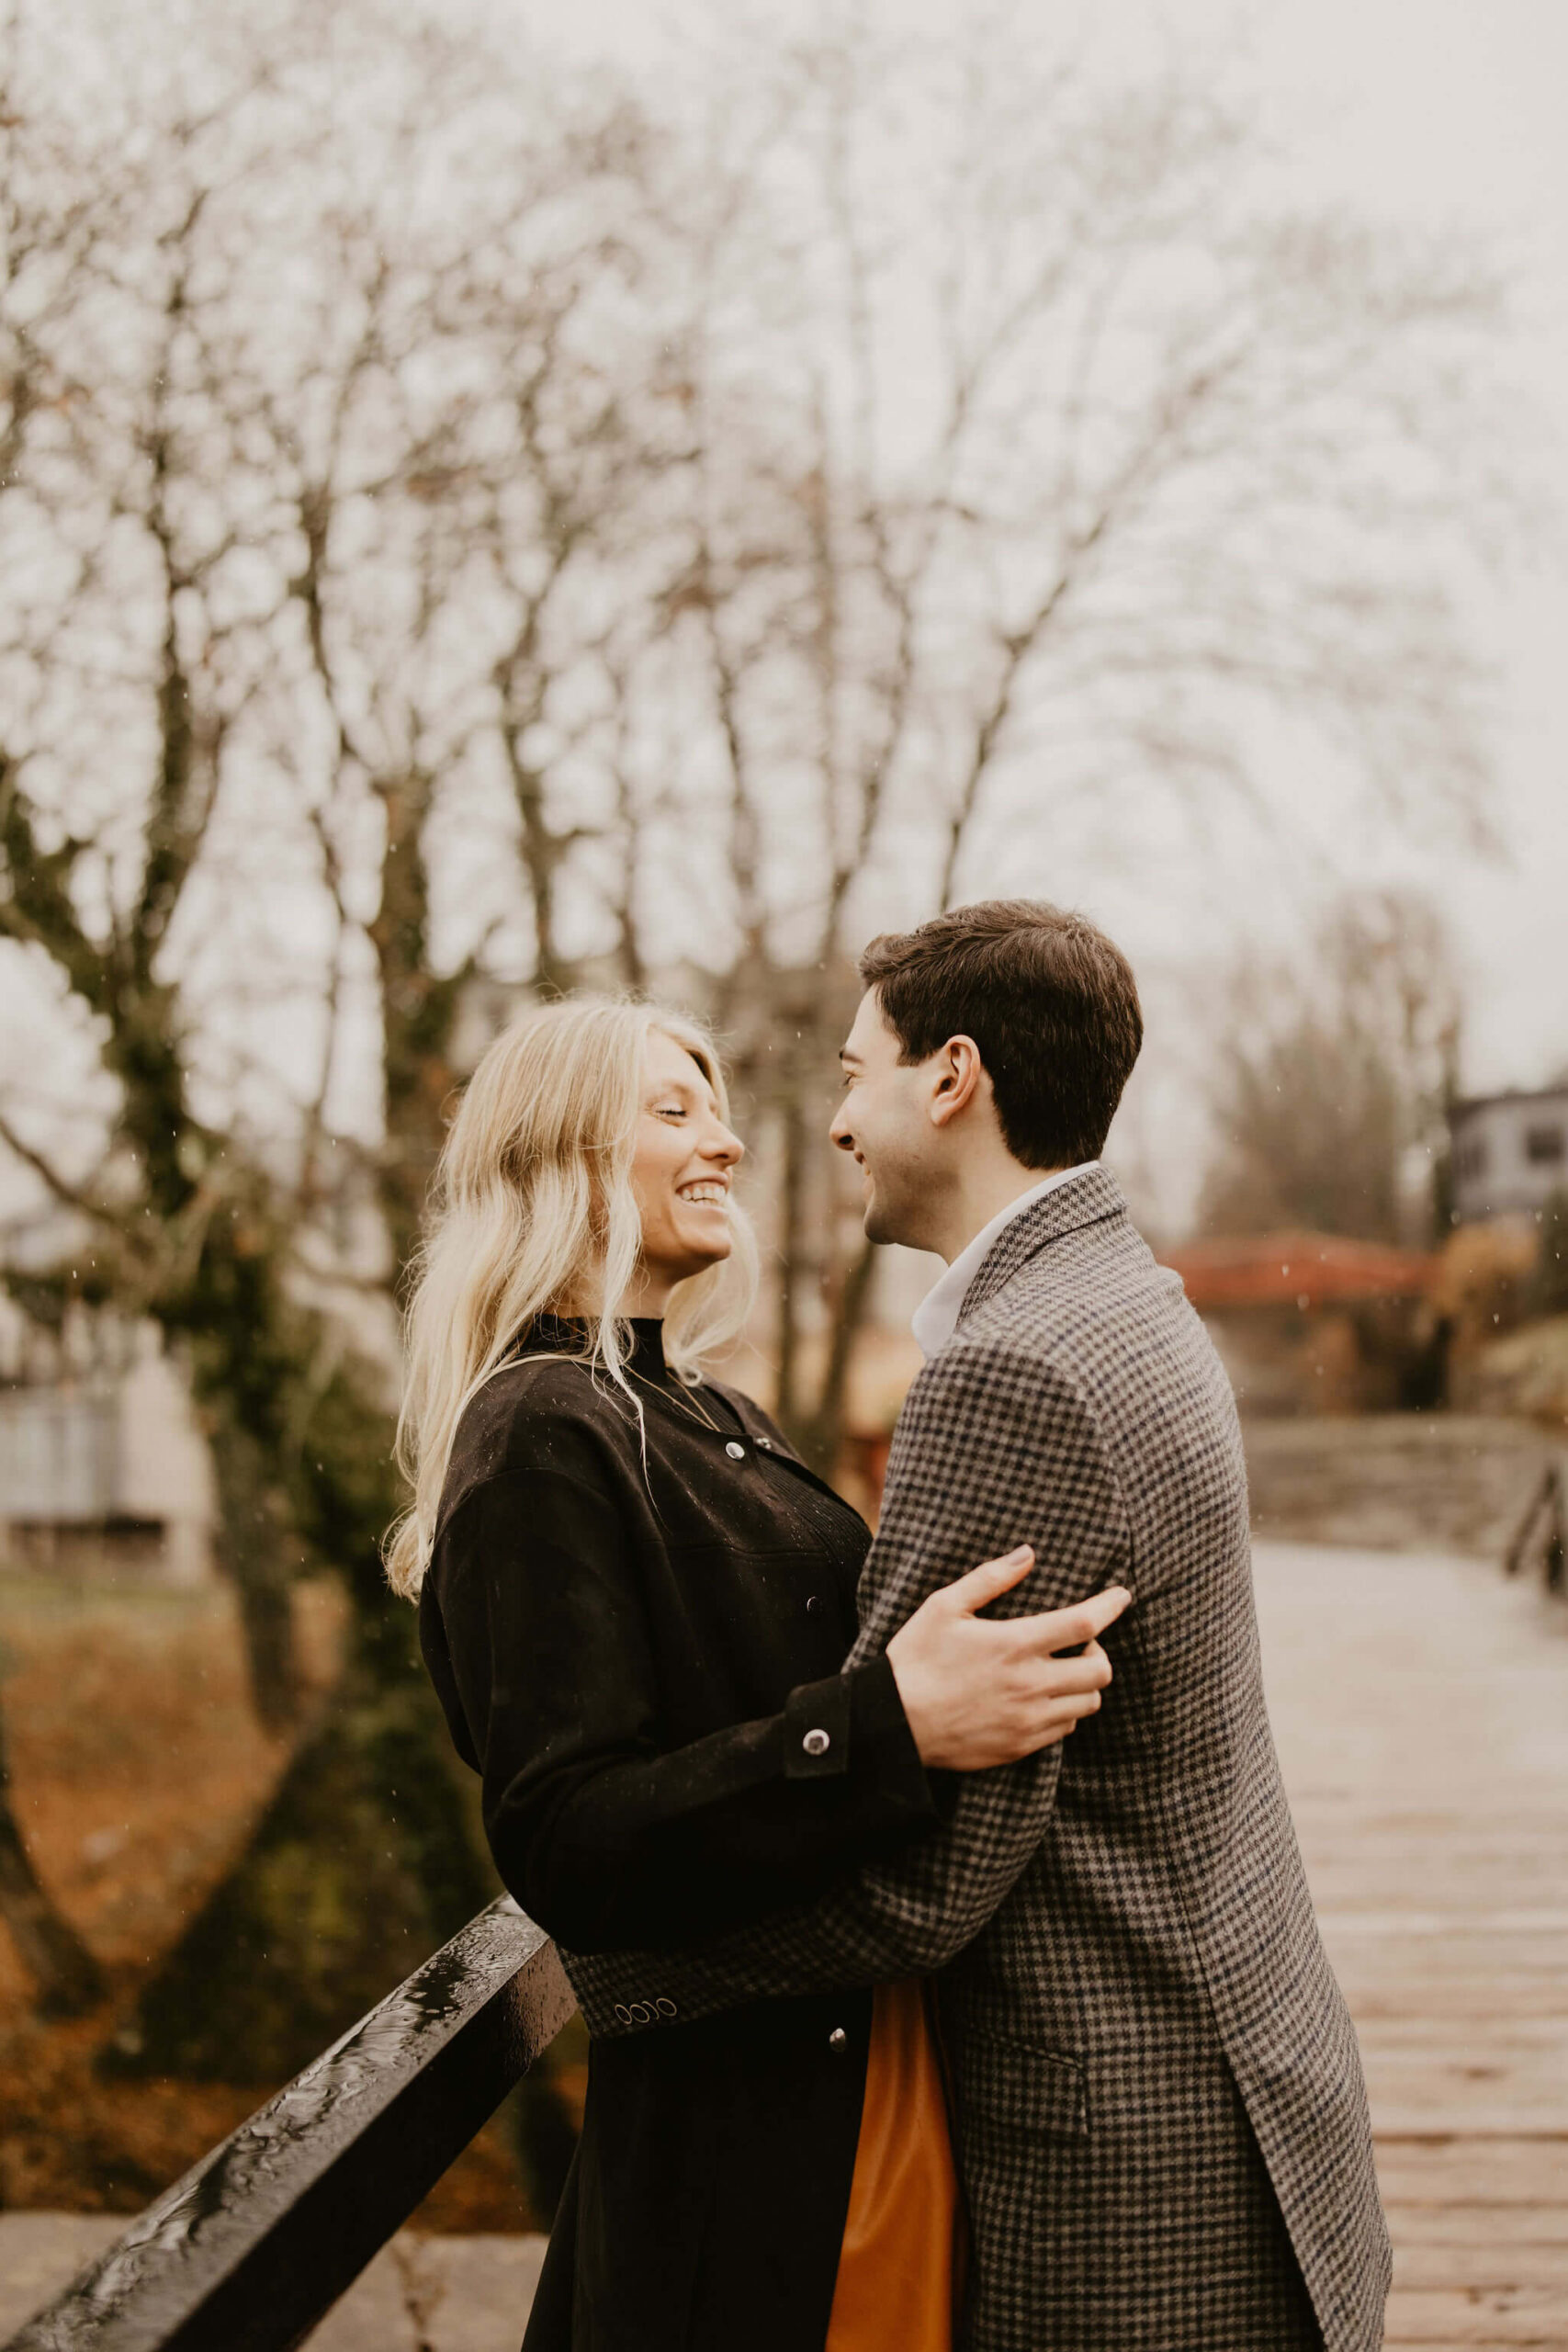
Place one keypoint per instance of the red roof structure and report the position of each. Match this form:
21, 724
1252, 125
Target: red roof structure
1300, 1270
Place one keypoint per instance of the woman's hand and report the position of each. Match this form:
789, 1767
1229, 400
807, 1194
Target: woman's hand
979, 1692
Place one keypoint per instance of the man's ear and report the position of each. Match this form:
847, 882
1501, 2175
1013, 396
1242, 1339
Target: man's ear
959, 1076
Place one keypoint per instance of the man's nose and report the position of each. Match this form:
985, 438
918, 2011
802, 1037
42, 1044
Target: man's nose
839, 1133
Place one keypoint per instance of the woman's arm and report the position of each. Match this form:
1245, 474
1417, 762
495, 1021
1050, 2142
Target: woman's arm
536, 1637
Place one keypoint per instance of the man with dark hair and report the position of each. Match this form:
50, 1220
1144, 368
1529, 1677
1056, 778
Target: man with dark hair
1161, 2120
1050, 1003
1016, 1027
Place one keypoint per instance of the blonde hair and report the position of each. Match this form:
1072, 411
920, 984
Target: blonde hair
533, 1209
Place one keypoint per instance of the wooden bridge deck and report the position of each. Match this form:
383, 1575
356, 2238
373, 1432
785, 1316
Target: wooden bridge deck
1421, 1711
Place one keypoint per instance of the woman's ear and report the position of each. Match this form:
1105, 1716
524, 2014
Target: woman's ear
959, 1071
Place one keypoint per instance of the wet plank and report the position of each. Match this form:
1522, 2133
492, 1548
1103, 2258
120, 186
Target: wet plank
1487, 2227
1497, 2174
1478, 2266
1485, 2317
1420, 1707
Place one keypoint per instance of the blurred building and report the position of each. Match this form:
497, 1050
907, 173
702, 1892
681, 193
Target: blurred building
1315, 1322
1510, 1153
102, 1465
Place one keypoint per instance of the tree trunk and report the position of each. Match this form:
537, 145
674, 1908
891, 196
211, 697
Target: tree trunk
823, 1434
254, 1552
68, 1978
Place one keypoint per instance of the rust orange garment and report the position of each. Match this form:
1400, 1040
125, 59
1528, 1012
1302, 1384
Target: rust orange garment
895, 2285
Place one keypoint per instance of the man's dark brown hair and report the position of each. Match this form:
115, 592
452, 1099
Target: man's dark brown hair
1051, 1004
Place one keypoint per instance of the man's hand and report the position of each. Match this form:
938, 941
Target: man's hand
979, 1692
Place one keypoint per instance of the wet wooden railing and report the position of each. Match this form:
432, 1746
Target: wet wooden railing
257, 2242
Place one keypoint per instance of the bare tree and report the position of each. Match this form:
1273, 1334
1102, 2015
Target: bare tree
1333, 1073
147, 472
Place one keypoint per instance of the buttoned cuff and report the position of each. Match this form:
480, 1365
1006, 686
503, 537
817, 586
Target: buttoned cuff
855, 1723
817, 1729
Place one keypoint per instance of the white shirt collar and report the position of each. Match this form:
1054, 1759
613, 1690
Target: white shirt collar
936, 1317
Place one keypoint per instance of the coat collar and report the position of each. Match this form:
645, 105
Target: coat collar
936, 1317
567, 1335
1086, 1200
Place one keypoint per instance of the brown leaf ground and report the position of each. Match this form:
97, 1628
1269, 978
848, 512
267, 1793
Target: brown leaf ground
138, 1768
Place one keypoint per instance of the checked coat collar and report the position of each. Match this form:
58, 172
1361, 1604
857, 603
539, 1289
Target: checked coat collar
1086, 1200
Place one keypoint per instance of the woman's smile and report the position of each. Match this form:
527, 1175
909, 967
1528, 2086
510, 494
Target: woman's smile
704, 1193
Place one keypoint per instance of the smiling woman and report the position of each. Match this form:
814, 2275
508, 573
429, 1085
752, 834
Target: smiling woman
680, 1173
577, 1115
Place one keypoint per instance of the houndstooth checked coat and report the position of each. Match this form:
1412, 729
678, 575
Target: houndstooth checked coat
1162, 2121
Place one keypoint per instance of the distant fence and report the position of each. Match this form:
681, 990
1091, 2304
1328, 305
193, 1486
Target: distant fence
1542, 1532
254, 2245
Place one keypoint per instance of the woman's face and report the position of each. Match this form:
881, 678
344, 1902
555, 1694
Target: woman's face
680, 1173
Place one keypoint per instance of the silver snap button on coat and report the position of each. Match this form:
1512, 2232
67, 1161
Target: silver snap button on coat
837, 2039
813, 1602
817, 1743
736, 1451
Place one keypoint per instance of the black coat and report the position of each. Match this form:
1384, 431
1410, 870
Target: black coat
636, 1636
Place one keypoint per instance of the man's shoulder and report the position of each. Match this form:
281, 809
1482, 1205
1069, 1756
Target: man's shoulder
1095, 1316
1070, 1288
992, 1372
1086, 1377
994, 1436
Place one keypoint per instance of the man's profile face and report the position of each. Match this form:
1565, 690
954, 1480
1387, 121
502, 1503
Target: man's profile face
885, 1122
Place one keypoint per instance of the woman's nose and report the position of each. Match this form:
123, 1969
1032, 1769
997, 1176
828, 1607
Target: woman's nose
727, 1147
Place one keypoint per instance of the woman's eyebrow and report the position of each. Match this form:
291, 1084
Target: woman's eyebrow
686, 1091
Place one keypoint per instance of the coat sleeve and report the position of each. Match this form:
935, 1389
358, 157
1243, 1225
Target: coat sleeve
991, 1450
536, 1640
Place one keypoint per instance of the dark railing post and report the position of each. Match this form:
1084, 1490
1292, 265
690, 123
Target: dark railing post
1546, 1519
257, 2242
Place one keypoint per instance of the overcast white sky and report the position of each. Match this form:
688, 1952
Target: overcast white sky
1449, 110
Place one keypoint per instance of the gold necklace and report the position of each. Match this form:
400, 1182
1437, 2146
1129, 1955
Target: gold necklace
693, 1412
